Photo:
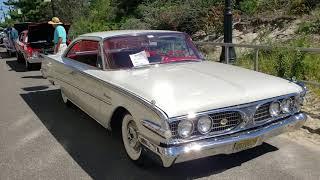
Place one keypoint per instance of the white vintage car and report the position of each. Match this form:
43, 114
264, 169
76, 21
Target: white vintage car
169, 104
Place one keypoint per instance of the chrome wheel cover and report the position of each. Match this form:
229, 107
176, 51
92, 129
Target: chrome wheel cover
130, 138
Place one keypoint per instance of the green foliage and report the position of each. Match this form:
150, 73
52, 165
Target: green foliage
184, 15
308, 27
133, 23
311, 26
32, 10
100, 17
38, 10
249, 6
302, 6
286, 63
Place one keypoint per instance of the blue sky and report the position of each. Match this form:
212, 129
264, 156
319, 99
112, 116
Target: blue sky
5, 8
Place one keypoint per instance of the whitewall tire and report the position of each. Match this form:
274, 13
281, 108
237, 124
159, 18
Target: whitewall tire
130, 138
65, 99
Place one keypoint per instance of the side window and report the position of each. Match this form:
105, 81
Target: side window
87, 52
73, 50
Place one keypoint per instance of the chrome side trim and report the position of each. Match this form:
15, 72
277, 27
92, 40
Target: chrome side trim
156, 128
80, 89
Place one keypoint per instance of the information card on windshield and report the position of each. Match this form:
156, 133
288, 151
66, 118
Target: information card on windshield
139, 59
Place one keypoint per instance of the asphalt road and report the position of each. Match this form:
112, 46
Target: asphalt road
41, 138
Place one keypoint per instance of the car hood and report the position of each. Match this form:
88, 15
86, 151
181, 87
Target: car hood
182, 88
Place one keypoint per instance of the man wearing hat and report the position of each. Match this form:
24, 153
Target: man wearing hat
60, 36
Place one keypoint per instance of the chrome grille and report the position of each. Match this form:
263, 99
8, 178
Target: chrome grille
262, 113
234, 119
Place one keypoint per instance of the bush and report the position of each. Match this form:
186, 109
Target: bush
312, 27
249, 6
133, 23
299, 7
182, 15
101, 17
286, 63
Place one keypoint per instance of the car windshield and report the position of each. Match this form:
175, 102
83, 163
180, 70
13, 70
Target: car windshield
147, 49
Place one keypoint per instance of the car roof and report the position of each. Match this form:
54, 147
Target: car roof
108, 34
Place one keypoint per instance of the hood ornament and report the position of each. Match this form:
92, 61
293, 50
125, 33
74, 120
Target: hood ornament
153, 102
224, 121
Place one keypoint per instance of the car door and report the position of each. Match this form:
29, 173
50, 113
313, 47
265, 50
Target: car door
86, 61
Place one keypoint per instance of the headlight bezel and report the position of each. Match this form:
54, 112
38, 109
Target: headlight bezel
272, 114
209, 127
191, 130
287, 108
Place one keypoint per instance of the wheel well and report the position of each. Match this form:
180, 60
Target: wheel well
116, 118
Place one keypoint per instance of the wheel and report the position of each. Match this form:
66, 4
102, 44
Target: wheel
130, 140
28, 66
65, 99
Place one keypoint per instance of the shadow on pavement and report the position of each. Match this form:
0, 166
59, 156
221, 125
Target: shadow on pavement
35, 88
4, 55
20, 67
15, 66
32, 77
101, 154
316, 131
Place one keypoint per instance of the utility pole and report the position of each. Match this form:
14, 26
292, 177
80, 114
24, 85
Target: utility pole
227, 23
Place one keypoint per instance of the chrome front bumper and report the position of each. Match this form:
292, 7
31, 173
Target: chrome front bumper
171, 154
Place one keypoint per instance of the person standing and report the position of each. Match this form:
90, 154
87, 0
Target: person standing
14, 36
60, 36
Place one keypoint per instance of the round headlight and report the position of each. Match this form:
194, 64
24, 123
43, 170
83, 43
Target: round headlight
274, 109
204, 124
185, 128
286, 106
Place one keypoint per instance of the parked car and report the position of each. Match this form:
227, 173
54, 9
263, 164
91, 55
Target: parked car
171, 105
36, 38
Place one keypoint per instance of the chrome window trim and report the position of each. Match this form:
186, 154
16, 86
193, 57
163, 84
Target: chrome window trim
246, 123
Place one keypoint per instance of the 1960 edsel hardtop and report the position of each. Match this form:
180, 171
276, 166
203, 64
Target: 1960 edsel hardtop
168, 103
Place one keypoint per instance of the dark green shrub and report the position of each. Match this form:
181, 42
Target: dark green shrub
249, 6
309, 27
133, 23
286, 63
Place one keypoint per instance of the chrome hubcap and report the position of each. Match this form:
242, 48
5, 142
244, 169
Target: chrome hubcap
132, 136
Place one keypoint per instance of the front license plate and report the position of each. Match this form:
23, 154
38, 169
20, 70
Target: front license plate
245, 144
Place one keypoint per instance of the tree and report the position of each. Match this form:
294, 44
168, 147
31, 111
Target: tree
31, 10
38, 10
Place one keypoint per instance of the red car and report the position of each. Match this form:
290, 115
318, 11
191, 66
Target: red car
37, 38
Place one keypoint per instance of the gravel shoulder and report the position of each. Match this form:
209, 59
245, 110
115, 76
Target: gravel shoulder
311, 130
